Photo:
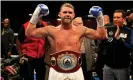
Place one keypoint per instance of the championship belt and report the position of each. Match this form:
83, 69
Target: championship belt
66, 61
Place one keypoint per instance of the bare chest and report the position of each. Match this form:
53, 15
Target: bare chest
67, 37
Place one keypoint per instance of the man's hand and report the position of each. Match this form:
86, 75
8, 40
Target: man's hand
9, 54
23, 59
10, 69
41, 10
117, 33
97, 12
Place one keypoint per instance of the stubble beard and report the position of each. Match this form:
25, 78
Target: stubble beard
67, 22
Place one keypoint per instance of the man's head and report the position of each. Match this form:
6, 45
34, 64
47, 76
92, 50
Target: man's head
106, 19
129, 15
6, 22
119, 17
78, 21
66, 13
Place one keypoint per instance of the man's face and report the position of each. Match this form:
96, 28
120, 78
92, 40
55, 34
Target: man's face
118, 19
106, 19
66, 14
130, 17
6, 22
78, 22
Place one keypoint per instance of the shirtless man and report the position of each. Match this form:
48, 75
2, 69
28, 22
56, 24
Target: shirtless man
65, 40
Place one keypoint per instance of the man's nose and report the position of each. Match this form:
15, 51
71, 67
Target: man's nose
67, 14
115, 19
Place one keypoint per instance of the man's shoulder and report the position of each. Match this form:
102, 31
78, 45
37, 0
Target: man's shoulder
127, 28
59, 26
84, 28
50, 26
54, 27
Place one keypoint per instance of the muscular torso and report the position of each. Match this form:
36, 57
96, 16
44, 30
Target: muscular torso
61, 39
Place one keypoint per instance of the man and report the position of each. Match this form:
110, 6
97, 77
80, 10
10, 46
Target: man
117, 45
65, 40
77, 21
106, 19
34, 54
88, 50
7, 39
130, 17
101, 51
130, 24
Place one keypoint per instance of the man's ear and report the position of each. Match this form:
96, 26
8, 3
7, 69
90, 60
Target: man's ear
124, 19
74, 15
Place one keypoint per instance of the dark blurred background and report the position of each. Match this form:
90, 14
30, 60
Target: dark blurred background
18, 11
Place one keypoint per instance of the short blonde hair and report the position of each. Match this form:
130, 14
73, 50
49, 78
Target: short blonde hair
67, 5
77, 19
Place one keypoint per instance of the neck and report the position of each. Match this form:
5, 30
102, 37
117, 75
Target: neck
5, 27
66, 26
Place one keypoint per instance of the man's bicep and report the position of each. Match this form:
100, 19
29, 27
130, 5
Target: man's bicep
90, 33
40, 32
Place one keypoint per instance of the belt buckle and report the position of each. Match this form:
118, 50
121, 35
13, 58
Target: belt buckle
67, 61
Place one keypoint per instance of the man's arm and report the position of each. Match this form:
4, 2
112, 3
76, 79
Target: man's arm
128, 41
100, 32
11, 42
20, 39
32, 31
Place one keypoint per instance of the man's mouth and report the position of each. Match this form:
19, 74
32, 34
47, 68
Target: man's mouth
67, 18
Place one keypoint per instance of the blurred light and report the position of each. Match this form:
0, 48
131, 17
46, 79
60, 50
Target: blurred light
90, 16
15, 34
58, 19
30, 14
